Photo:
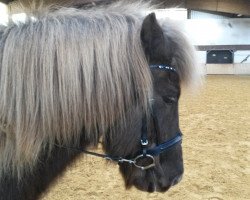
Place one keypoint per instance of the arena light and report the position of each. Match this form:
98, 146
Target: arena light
172, 13
20, 17
16, 18
3, 14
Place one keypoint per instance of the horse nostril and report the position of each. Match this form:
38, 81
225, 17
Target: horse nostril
176, 180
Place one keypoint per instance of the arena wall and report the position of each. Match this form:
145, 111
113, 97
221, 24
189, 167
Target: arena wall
237, 68
230, 69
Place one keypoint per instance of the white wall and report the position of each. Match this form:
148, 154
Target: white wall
204, 15
201, 56
3, 14
217, 31
219, 68
239, 56
209, 29
172, 13
236, 69
220, 32
241, 69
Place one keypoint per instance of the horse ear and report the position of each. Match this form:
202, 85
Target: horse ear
152, 36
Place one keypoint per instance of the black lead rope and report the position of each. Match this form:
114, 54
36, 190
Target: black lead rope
81, 150
145, 154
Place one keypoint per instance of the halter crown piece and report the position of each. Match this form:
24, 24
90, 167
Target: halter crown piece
145, 153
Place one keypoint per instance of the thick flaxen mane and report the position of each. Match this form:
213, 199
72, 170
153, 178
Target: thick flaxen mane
65, 72
182, 54
68, 72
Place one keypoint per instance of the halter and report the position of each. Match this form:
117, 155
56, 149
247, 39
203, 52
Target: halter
163, 67
146, 153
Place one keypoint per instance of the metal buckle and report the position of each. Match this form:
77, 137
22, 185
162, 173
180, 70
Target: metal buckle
141, 157
144, 143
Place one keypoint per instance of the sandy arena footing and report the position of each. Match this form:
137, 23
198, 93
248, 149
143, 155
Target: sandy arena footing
216, 127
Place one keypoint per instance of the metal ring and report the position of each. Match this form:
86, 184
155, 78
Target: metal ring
147, 156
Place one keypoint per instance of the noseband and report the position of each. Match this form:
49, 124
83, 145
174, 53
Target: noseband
146, 153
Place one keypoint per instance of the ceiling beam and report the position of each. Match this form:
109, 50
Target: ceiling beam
222, 47
230, 6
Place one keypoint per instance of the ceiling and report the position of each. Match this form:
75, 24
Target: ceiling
238, 7
241, 7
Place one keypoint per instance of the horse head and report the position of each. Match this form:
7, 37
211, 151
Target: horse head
170, 60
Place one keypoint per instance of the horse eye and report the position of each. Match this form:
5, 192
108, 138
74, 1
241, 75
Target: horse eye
169, 100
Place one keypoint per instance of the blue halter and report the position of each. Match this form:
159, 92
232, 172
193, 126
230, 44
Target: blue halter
146, 153
163, 67
157, 150
150, 153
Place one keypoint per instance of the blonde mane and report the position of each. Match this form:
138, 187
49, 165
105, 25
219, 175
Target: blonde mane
68, 73
183, 54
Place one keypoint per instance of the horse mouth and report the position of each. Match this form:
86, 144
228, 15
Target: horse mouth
153, 187
157, 186
176, 180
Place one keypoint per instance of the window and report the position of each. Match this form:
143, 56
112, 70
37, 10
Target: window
220, 56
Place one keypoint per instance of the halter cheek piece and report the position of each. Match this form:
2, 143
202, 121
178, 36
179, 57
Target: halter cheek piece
157, 150
146, 153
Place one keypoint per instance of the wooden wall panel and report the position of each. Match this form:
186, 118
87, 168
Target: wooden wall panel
202, 5
242, 69
233, 6
230, 6
219, 68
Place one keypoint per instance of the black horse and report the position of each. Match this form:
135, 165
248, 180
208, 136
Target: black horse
69, 77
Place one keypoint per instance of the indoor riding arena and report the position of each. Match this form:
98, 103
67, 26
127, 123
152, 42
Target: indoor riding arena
215, 124
216, 145
214, 115
215, 121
